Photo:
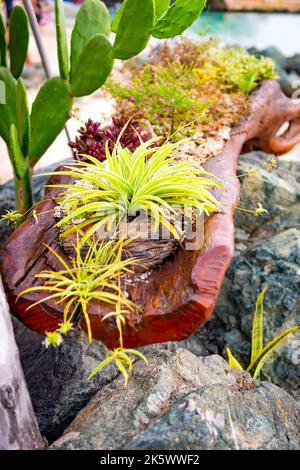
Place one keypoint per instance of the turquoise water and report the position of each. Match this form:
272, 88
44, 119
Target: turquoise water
252, 29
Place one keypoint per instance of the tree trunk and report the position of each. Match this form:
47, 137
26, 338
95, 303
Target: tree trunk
18, 425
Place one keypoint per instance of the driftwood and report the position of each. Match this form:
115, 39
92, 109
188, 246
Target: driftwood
18, 425
179, 296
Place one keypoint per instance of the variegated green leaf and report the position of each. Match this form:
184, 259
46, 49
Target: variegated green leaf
233, 362
256, 366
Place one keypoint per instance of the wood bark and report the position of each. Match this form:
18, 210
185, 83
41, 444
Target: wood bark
18, 425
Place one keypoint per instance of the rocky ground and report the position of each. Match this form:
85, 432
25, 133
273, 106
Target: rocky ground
184, 399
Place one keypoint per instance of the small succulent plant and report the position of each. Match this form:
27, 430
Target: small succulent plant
92, 138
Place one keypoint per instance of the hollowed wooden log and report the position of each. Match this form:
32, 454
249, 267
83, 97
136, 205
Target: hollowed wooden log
179, 296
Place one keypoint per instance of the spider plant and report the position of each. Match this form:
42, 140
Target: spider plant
123, 358
92, 277
12, 218
145, 180
259, 352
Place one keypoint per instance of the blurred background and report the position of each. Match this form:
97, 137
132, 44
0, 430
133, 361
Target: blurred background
268, 27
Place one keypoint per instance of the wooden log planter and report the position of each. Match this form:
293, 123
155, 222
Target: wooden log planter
179, 295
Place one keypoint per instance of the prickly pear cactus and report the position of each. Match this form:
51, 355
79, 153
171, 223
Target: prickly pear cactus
8, 112
160, 7
116, 20
2, 42
23, 117
19, 163
134, 28
88, 76
50, 111
179, 16
61, 37
92, 19
19, 40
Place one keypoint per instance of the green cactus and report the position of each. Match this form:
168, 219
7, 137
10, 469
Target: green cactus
88, 76
116, 20
19, 40
92, 19
62, 48
8, 112
2, 43
22, 174
50, 111
179, 16
160, 7
23, 117
134, 29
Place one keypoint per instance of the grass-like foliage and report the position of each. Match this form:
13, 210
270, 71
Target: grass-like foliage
146, 180
92, 277
12, 218
240, 70
259, 352
123, 358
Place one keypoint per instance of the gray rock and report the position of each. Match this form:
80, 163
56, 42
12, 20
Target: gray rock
57, 378
183, 402
267, 253
293, 64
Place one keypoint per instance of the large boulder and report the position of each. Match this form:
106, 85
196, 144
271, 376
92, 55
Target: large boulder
180, 402
267, 253
57, 378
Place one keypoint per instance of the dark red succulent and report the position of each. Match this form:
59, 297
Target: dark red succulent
92, 138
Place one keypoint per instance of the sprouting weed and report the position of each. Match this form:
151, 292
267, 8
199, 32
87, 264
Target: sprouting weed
12, 218
271, 163
53, 339
123, 358
260, 210
259, 352
65, 327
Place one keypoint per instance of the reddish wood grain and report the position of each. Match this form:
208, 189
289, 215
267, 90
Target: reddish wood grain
179, 296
